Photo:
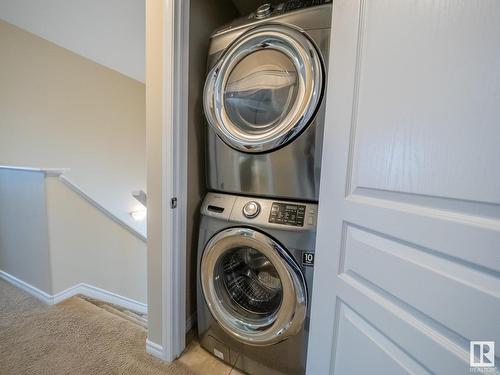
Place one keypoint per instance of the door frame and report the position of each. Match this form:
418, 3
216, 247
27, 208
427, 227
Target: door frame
176, 63
171, 53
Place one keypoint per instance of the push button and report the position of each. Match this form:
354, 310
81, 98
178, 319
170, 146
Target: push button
310, 220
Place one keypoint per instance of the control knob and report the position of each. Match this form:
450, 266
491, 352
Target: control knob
263, 11
251, 209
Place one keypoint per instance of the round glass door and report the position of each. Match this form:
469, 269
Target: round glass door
260, 91
264, 89
252, 287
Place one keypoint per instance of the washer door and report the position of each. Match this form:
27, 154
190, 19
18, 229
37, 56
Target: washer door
264, 89
253, 288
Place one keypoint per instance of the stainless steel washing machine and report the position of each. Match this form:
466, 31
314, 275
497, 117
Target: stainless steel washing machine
255, 273
264, 102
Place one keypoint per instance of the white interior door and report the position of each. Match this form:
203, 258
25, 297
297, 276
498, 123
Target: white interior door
408, 250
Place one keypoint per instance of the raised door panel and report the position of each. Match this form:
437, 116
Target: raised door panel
365, 350
428, 88
424, 282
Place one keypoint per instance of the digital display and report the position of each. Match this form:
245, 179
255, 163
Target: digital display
287, 214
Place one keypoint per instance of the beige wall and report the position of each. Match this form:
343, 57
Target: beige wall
86, 246
24, 245
206, 16
54, 239
60, 110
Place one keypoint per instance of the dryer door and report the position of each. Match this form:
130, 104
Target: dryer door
253, 288
265, 88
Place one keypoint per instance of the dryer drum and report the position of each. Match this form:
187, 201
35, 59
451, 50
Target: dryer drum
249, 283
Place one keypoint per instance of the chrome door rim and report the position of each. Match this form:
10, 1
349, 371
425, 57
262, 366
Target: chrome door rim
291, 314
301, 51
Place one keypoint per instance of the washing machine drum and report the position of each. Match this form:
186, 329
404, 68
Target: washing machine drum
264, 89
253, 288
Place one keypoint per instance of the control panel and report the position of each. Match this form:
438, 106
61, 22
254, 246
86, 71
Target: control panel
265, 213
268, 10
297, 4
287, 214
318, 16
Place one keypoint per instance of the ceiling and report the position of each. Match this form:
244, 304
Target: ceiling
111, 32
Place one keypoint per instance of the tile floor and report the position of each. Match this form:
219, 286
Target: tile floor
203, 363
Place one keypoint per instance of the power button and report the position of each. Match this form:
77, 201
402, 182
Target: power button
251, 209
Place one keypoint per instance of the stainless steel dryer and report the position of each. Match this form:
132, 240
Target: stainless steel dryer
264, 102
255, 273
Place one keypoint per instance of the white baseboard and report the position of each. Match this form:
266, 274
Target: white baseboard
65, 294
82, 288
155, 349
101, 294
30, 289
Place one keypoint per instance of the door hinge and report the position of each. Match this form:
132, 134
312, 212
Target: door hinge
173, 202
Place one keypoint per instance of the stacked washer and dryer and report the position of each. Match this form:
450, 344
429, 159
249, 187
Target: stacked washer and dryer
263, 101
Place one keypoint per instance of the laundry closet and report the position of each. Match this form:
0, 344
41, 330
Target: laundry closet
405, 257
256, 117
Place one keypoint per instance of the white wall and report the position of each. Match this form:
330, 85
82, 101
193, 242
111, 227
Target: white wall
24, 243
108, 32
88, 247
61, 110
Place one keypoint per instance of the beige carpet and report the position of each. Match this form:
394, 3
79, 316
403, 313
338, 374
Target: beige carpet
73, 337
